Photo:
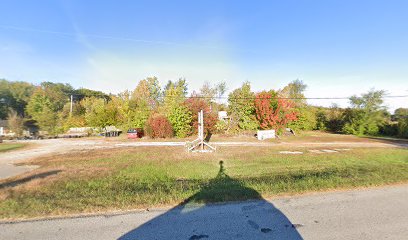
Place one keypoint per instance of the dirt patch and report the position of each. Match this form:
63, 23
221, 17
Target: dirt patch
290, 152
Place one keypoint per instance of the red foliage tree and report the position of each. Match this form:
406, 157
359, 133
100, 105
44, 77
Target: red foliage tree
158, 126
195, 105
274, 113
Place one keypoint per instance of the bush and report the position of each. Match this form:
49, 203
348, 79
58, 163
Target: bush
139, 118
321, 119
306, 119
16, 123
74, 121
158, 126
367, 114
330, 119
403, 128
180, 118
359, 122
221, 126
389, 129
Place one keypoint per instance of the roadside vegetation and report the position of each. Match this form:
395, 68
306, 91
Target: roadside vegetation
144, 177
128, 178
4, 147
168, 111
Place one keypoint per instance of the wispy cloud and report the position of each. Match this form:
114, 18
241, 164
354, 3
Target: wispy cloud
114, 74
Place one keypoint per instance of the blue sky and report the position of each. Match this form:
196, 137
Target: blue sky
338, 48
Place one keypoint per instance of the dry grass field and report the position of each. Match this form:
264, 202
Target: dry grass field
141, 177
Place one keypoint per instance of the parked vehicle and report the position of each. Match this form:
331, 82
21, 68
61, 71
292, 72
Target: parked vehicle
135, 133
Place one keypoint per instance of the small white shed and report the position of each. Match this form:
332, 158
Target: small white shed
222, 115
265, 134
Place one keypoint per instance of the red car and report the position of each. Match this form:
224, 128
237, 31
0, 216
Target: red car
135, 133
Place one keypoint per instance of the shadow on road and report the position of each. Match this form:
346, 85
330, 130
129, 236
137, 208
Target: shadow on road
257, 219
29, 178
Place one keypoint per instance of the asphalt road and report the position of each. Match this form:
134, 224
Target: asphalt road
380, 213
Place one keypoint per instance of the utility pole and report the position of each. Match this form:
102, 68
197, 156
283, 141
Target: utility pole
70, 110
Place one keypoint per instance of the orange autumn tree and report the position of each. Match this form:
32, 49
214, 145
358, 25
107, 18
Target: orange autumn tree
273, 112
196, 104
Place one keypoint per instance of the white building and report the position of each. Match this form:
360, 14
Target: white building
3, 126
222, 115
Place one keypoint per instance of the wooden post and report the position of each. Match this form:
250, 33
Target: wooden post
198, 145
70, 110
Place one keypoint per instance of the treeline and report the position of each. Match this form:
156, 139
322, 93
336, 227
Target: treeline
168, 111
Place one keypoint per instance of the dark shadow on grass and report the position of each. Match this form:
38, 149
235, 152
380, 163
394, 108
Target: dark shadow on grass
29, 178
196, 218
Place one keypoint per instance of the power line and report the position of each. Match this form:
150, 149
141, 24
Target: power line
250, 98
290, 98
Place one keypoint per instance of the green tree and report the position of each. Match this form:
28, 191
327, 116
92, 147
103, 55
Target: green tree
15, 123
174, 94
177, 113
295, 90
140, 117
5, 98
144, 99
130, 115
82, 93
242, 108
42, 110
98, 113
125, 111
212, 93
403, 127
367, 114
46, 104
180, 118
147, 92
306, 119
58, 93
306, 115
180, 83
208, 92
400, 113
14, 95
330, 119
